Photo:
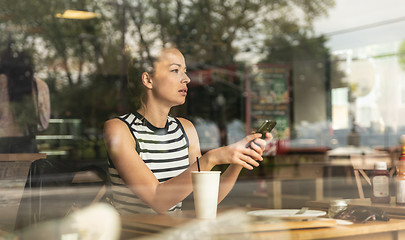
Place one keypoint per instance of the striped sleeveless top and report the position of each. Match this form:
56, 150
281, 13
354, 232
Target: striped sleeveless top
164, 151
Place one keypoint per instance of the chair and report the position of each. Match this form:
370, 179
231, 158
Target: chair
94, 177
55, 188
364, 163
90, 177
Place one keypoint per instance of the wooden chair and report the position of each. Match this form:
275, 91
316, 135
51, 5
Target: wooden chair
90, 177
54, 188
363, 164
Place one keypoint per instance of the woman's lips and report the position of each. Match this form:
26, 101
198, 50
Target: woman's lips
183, 91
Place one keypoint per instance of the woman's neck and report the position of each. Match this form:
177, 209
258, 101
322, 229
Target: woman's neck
157, 117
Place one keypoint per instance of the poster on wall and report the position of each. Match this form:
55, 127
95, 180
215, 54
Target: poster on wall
269, 98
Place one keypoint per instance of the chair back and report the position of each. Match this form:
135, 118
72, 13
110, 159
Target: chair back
363, 164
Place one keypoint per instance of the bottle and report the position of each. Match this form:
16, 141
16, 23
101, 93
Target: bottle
380, 183
400, 179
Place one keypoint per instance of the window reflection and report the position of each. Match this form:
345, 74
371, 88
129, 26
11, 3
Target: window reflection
331, 92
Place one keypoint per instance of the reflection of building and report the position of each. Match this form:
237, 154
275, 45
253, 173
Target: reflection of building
207, 76
377, 83
215, 98
269, 97
208, 133
340, 108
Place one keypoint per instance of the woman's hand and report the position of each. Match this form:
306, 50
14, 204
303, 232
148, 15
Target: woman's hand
246, 152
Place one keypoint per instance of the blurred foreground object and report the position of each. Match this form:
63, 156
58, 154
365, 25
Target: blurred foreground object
99, 221
208, 230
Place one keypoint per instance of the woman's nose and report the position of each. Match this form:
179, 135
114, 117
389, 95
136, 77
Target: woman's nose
186, 79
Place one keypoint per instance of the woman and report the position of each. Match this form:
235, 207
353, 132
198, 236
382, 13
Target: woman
151, 154
24, 111
24, 103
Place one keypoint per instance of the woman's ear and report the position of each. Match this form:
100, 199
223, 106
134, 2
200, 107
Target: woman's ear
146, 80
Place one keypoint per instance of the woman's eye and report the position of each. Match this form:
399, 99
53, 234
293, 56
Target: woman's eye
175, 70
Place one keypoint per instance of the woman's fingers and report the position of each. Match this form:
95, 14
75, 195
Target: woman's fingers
245, 157
248, 158
251, 139
255, 154
247, 163
269, 136
258, 145
248, 152
253, 136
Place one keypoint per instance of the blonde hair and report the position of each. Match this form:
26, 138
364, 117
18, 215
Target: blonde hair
134, 76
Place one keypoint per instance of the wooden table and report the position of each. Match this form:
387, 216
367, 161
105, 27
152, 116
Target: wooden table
357, 161
236, 224
391, 208
358, 157
16, 165
14, 169
12, 157
297, 165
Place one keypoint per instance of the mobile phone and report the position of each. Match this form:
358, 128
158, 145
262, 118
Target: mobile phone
266, 126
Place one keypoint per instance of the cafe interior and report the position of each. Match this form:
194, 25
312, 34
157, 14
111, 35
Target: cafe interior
331, 73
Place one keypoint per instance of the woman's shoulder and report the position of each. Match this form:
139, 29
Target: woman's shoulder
188, 127
40, 82
121, 121
116, 134
3, 81
124, 118
113, 123
115, 128
41, 85
185, 122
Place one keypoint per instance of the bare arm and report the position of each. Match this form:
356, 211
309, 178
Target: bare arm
162, 196
44, 105
237, 154
137, 176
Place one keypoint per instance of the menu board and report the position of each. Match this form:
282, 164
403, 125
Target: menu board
269, 97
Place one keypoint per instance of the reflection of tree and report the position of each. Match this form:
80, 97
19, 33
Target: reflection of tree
313, 72
71, 53
401, 55
214, 31
82, 58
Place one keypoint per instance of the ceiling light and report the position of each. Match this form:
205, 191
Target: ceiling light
74, 14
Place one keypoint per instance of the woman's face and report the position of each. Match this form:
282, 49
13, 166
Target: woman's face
169, 81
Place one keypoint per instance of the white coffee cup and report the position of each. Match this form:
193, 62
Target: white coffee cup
206, 186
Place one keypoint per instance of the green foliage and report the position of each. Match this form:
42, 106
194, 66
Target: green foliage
306, 55
402, 55
84, 61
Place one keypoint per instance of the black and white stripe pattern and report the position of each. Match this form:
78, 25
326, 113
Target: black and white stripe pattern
164, 151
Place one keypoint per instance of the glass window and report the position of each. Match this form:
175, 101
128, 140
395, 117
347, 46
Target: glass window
331, 73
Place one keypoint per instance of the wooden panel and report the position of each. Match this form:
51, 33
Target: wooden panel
21, 156
289, 225
302, 230
14, 170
